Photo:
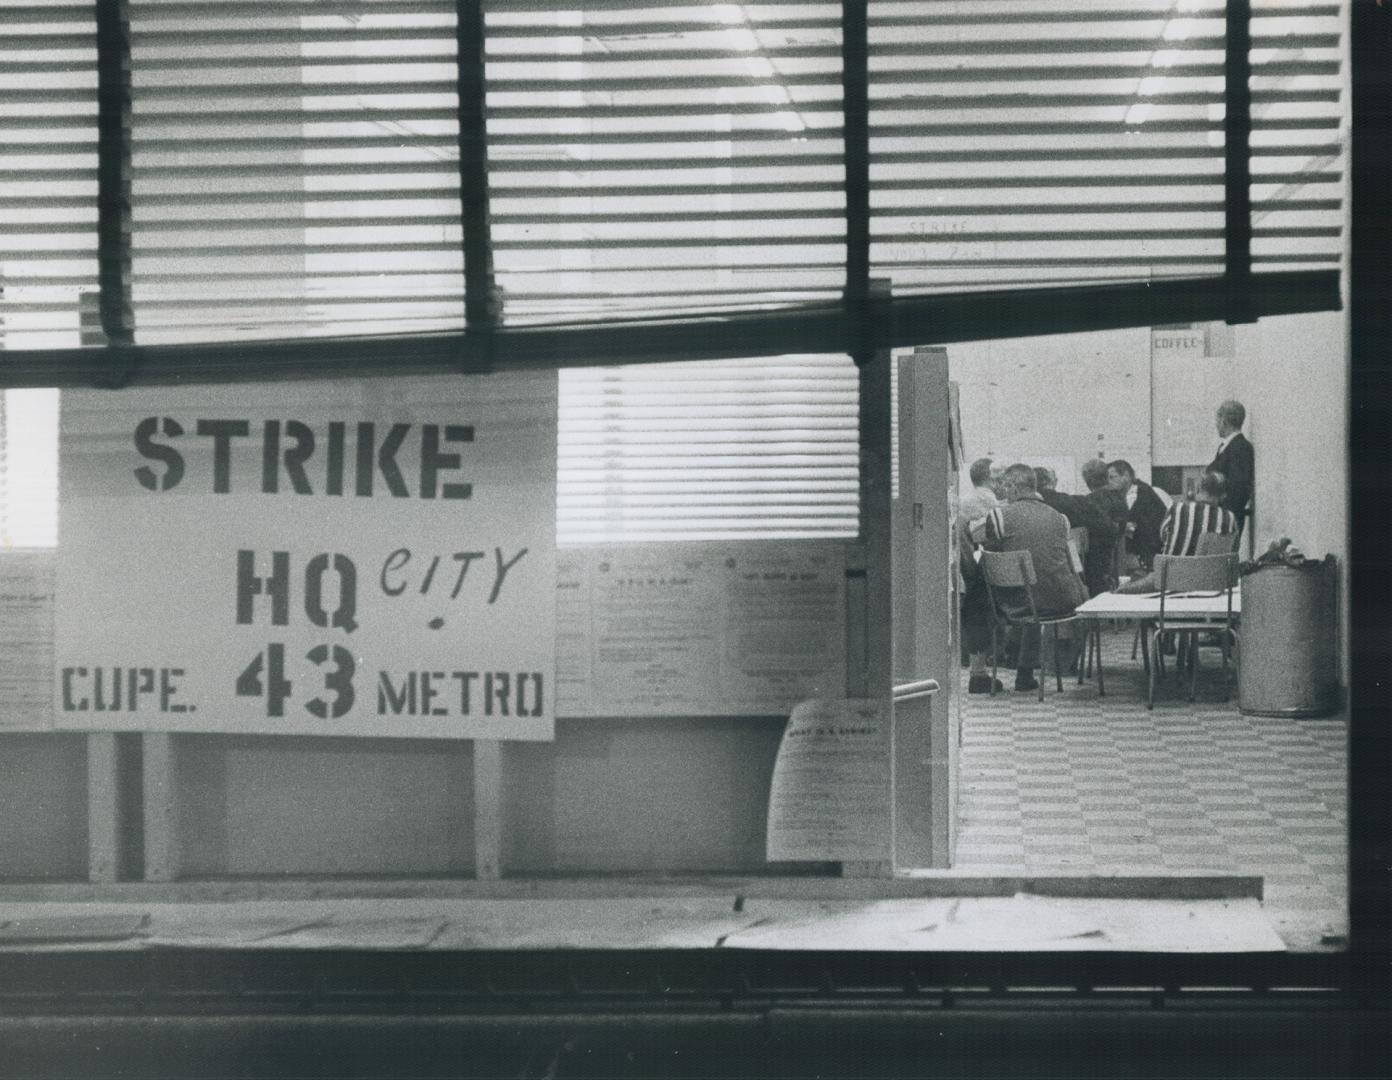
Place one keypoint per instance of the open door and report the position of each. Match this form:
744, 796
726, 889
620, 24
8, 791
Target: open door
925, 609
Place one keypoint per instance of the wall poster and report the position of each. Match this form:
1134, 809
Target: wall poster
700, 629
370, 557
829, 798
26, 639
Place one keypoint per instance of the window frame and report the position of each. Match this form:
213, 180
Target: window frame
860, 325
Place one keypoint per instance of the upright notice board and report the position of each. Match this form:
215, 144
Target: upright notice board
356, 557
700, 629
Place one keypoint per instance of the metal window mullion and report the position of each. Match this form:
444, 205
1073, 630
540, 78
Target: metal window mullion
855, 134
1237, 138
114, 171
480, 310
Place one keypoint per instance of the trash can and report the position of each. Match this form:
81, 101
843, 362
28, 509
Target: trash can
1288, 652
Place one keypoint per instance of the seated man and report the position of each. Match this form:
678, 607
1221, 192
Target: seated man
1083, 512
1145, 511
1025, 523
1186, 522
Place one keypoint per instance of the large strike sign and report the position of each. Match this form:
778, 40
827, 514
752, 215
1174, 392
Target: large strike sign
372, 557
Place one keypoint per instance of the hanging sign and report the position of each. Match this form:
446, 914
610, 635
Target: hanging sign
360, 557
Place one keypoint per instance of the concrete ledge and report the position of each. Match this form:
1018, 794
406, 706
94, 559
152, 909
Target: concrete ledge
925, 884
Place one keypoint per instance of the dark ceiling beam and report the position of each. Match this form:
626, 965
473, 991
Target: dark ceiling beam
826, 328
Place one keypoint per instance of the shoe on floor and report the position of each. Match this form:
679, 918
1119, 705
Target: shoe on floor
981, 684
1026, 682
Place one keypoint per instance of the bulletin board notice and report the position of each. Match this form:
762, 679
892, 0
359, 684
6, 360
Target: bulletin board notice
829, 797
699, 629
26, 639
370, 557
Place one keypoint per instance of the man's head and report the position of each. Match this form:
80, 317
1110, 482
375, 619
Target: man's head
1120, 475
1212, 487
980, 472
1044, 479
1018, 481
1231, 416
1095, 473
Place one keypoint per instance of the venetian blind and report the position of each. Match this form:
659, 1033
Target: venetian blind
1299, 135
665, 157
1038, 142
294, 168
48, 170
709, 450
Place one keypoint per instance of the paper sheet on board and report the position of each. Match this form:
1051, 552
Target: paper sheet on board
829, 798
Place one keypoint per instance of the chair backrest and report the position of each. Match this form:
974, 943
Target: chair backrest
1195, 573
1079, 536
1008, 569
1211, 543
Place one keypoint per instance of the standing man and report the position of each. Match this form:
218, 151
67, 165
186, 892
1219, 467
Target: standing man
1025, 523
1235, 459
1102, 565
1083, 512
975, 606
981, 499
1145, 511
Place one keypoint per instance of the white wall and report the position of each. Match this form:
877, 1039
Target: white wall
1293, 374
1294, 378
1063, 396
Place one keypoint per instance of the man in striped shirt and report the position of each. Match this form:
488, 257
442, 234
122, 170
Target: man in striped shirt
1185, 522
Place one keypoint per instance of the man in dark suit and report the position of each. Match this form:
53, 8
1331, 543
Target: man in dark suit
1145, 511
1083, 512
1235, 460
1099, 569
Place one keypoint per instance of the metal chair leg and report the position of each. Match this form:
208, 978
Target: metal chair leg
1097, 631
1226, 643
1058, 667
1041, 662
1153, 645
995, 655
1192, 640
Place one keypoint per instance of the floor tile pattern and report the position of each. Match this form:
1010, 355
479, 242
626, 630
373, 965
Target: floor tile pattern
1083, 784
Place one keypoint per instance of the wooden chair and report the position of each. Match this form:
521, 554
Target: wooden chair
1190, 573
1015, 570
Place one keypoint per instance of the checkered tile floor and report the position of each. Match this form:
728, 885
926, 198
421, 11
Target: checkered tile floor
1083, 784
